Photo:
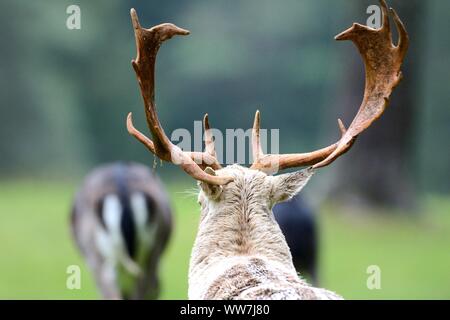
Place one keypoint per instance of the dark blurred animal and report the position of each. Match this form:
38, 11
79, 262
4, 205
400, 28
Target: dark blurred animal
299, 226
121, 221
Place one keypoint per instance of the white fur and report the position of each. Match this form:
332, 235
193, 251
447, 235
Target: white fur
237, 227
145, 232
110, 241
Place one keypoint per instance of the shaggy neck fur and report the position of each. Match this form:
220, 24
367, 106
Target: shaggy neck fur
236, 226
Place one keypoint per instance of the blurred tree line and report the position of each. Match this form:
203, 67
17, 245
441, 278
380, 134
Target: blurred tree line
65, 93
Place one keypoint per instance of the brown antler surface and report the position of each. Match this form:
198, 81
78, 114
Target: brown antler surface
148, 42
382, 60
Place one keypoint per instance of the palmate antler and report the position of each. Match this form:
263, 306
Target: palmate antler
382, 60
148, 42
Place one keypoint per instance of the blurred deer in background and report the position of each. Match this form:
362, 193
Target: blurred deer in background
240, 251
121, 221
298, 223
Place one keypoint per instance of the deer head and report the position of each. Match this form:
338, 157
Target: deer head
236, 201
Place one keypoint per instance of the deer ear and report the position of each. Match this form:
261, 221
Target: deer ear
287, 185
212, 191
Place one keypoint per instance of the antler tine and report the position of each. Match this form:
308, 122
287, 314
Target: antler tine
142, 138
210, 155
342, 127
256, 138
148, 42
403, 38
209, 142
386, 26
272, 163
206, 160
382, 62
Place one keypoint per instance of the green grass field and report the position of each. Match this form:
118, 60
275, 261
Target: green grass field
413, 253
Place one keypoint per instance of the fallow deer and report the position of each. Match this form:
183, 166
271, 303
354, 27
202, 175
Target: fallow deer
121, 221
239, 251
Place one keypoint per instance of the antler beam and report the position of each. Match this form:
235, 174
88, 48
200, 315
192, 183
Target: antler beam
148, 42
382, 60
